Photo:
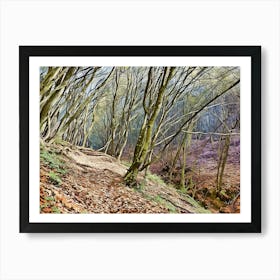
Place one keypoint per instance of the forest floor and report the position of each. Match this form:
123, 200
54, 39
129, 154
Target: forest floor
81, 180
201, 173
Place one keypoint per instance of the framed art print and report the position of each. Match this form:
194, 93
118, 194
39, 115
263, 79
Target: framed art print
140, 138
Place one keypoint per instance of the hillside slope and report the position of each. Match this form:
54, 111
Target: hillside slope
81, 180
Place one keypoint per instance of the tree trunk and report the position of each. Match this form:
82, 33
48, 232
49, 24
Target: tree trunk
222, 163
144, 140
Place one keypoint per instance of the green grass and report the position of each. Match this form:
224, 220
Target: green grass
54, 178
44, 205
49, 198
53, 161
158, 180
140, 187
166, 204
199, 208
126, 163
159, 200
155, 179
55, 210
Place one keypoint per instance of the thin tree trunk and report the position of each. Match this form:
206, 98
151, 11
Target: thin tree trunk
222, 163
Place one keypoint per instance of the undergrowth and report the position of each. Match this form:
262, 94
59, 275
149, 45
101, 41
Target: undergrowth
166, 204
155, 179
54, 178
199, 208
53, 161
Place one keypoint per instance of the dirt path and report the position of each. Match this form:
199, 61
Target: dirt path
93, 183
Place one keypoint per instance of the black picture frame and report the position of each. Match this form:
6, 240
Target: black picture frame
254, 52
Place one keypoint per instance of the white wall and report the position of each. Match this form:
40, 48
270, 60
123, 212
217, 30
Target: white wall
139, 256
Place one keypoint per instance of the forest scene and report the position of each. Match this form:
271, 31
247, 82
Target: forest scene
134, 139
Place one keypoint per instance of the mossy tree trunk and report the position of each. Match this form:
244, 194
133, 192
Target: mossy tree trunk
145, 136
49, 96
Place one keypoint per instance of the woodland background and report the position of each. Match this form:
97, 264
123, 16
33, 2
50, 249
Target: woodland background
179, 125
